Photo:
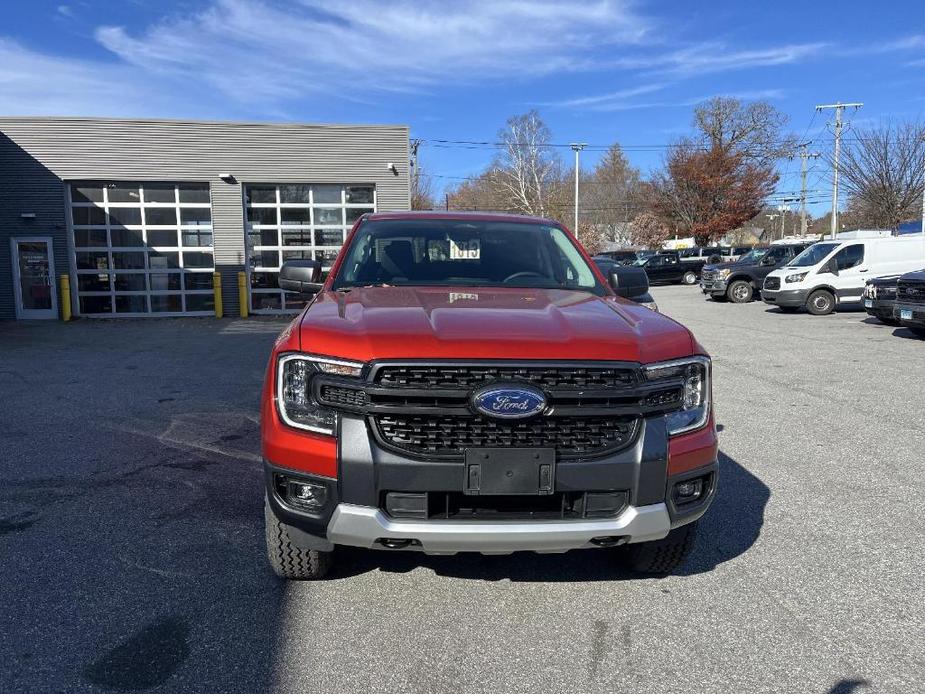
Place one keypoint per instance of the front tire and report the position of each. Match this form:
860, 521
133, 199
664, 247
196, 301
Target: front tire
287, 559
690, 277
740, 292
821, 302
660, 556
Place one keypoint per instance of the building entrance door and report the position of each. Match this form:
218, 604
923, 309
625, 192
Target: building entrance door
34, 277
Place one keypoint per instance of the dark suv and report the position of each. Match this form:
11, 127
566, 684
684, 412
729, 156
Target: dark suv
739, 281
909, 309
880, 297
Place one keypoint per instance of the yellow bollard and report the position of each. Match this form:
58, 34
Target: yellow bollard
242, 293
217, 290
65, 298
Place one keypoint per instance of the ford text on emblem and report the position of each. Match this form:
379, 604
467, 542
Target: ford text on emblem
509, 402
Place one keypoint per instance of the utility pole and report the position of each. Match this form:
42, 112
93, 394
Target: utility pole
413, 178
771, 218
783, 209
577, 147
839, 108
805, 156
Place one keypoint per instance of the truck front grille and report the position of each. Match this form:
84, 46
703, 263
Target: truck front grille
911, 292
449, 436
772, 283
471, 376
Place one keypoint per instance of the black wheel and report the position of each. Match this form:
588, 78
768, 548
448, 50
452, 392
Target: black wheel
789, 309
821, 302
740, 292
917, 331
690, 277
660, 556
288, 559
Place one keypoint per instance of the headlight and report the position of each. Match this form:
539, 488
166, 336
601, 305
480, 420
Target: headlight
694, 373
294, 373
798, 277
649, 305
723, 274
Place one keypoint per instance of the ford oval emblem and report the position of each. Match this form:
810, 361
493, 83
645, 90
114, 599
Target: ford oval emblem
509, 402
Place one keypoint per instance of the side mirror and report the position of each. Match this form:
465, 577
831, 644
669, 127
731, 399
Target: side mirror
629, 282
768, 261
831, 267
301, 276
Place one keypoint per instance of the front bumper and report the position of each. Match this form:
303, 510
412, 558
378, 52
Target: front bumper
354, 515
362, 526
785, 297
713, 286
918, 314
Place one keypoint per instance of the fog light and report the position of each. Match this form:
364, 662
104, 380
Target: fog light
689, 490
306, 495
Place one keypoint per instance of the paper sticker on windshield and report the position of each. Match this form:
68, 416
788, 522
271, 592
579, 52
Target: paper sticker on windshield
465, 250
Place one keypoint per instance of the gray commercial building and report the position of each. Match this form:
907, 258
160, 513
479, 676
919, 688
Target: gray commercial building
141, 213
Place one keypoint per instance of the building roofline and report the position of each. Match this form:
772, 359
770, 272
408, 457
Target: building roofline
197, 121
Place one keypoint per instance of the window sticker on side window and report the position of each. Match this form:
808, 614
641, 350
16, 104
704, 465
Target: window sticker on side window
468, 249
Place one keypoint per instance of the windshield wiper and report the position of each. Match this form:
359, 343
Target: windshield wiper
363, 286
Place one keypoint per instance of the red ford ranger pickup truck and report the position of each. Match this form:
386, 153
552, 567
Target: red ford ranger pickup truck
472, 383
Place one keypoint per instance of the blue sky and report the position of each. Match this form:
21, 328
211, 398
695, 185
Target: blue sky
597, 71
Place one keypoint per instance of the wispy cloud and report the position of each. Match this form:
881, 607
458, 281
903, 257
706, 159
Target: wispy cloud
615, 97
252, 50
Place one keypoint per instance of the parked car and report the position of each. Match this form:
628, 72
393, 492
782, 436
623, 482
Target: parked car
607, 265
909, 309
880, 297
834, 273
622, 257
482, 389
739, 281
712, 254
667, 268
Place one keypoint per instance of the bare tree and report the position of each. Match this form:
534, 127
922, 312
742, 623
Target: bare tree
610, 195
422, 190
754, 130
527, 168
883, 172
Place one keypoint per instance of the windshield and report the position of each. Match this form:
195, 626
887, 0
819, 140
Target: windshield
812, 255
754, 255
454, 252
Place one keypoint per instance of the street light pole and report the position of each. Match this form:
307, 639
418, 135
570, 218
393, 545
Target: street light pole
577, 147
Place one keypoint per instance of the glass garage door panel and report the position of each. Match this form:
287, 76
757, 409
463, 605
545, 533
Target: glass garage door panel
143, 248
296, 221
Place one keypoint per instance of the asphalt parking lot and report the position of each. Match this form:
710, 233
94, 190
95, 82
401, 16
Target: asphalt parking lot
132, 558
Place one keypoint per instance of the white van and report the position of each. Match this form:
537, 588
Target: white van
833, 273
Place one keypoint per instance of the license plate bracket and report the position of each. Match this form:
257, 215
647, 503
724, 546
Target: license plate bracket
510, 471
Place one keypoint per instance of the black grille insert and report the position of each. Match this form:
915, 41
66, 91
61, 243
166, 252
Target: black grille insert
911, 292
448, 436
458, 506
471, 376
772, 283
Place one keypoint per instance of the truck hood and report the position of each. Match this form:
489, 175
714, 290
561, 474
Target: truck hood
477, 323
723, 266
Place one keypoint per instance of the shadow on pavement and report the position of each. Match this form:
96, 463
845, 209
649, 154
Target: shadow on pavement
728, 529
131, 508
